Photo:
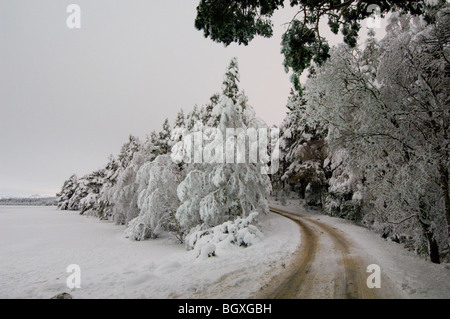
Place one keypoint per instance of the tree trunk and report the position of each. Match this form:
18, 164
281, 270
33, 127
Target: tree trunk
443, 170
433, 247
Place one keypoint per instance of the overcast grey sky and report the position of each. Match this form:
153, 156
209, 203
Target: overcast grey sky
71, 97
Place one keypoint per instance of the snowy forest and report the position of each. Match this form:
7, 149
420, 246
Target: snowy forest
365, 138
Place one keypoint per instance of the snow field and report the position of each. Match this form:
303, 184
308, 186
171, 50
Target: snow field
38, 243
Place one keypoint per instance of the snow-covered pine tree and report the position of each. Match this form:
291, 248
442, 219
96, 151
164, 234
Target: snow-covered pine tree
288, 138
180, 120
192, 118
113, 170
206, 112
303, 150
91, 192
66, 193
131, 147
86, 195
163, 143
105, 201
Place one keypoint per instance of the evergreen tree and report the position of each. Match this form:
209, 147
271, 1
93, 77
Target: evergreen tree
86, 193
180, 121
67, 192
303, 151
162, 144
113, 171
105, 201
206, 112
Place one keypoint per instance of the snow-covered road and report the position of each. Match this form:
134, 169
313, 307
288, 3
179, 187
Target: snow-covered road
334, 256
321, 271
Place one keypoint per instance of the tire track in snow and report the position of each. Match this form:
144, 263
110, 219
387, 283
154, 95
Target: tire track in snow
355, 281
292, 286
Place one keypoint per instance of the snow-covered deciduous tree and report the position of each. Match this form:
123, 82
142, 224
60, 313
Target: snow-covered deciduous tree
190, 192
213, 193
158, 200
125, 192
387, 107
414, 81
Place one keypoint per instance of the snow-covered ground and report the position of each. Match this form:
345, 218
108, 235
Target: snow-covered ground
38, 243
411, 275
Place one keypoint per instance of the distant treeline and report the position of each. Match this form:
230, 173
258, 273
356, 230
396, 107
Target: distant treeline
47, 201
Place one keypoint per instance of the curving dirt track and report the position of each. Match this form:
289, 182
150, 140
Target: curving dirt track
323, 267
